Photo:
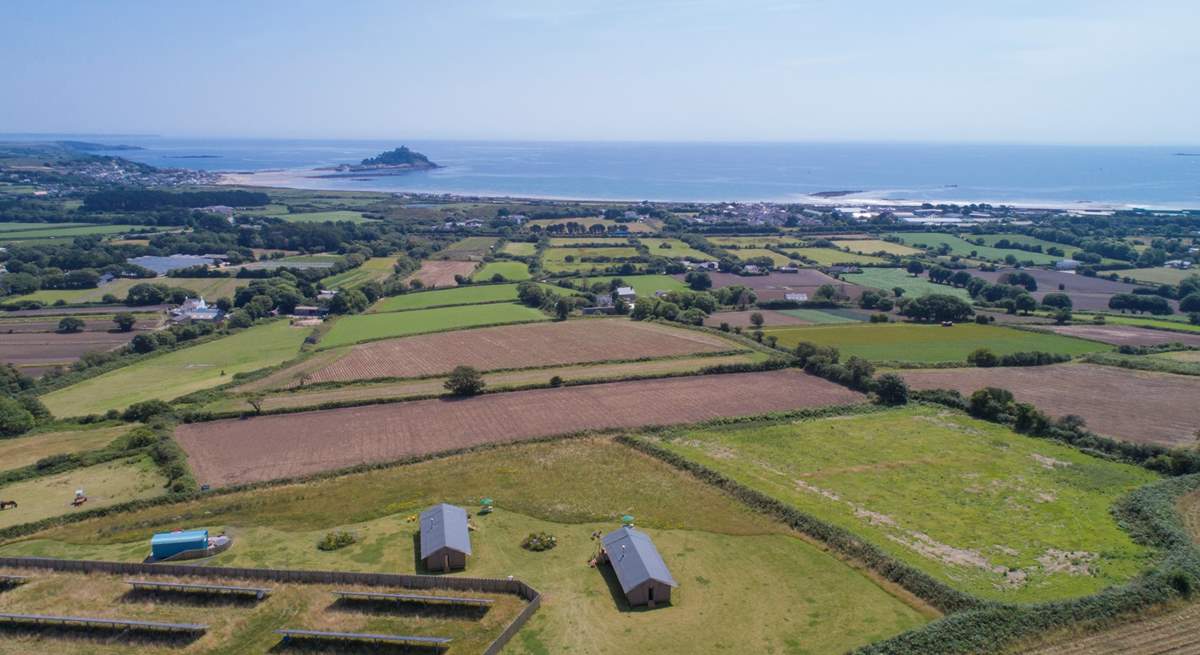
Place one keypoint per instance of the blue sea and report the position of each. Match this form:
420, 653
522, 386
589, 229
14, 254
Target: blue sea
1048, 175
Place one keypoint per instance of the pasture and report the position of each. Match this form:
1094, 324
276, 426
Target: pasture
181, 371
886, 279
53, 231
675, 249
1176, 324
569, 489
750, 253
23, 451
643, 285
519, 249
518, 346
833, 256
584, 241
761, 241
909, 342
468, 295
872, 246
828, 316
441, 273
555, 260
510, 271
641, 226
963, 248
1112, 401
210, 287
468, 249
110, 483
983, 509
375, 269
368, 327
269, 447
335, 216
1156, 275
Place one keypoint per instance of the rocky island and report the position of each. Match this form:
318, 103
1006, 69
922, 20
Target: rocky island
392, 162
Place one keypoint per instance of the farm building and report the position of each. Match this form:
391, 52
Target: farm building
445, 540
641, 571
166, 545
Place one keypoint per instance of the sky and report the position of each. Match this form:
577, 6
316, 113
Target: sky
1008, 71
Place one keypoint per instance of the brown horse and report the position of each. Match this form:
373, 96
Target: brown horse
5, 504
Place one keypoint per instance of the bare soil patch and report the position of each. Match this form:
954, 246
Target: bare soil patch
269, 447
1126, 335
517, 346
1132, 405
742, 319
776, 286
441, 272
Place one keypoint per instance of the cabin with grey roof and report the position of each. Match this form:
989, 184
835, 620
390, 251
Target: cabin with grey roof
640, 570
445, 539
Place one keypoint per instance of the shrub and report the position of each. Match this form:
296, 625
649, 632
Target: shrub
556, 381
336, 539
146, 410
70, 325
891, 389
983, 358
14, 418
464, 381
539, 541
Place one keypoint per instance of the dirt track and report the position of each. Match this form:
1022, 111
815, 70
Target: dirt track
264, 448
1120, 403
518, 346
440, 273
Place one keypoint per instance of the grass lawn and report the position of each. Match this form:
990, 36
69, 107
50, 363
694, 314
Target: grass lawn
23, 451
554, 260
676, 249
338, 216
909, 342
210, 287
181, 372
375, 269
832, 256
749, 253
569, 489
519, 249
870, 246
963, 248
978, 506
827, 316
367, 327
886, 279
105, 484
510, 270
1156, 275
468, 295
643, 285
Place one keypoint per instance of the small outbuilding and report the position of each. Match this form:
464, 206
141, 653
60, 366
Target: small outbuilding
640, 570
445, 539
166, 545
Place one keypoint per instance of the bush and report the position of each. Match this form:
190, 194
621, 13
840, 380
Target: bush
539, 541
983, 358
556, 381
464, 381
146, 410
70, 325
14, 418
336, 539
891, 389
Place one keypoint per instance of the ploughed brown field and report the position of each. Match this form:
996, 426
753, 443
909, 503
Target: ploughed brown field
742, 319
441, 272
43, 350
517, 346
269, 447
776, 286
51, 325
1120, 403
1126, 335
1087, 293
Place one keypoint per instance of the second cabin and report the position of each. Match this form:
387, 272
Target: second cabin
445, 538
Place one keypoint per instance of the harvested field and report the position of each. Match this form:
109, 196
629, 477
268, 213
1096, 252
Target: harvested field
1125, 335
1087, 293
91, 323
269, 447
75, 311
777, 285
45, 349
1172, 633
440, 273
1113, 401
517, 346
742, 319
505, 380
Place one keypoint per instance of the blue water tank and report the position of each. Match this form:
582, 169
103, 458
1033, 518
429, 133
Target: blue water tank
168, 544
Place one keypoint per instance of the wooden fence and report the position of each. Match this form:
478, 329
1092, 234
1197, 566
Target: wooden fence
484, 585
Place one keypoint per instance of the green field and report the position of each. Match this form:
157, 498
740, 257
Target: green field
826, 316
519, 249
1178, 324
608, 224
468, 295
963, 248
63, 231
105, 484
368, 327
972, 503
23, 451
908, 342
869, 246
584, 241
749, 253
832, 256
554, 260
23, 226
189, 369
337, 216
375, 269
643, 285
886, 279
467, 248
752, 241
719, 551
1157, 275
209, 287
677, 249
513, 271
